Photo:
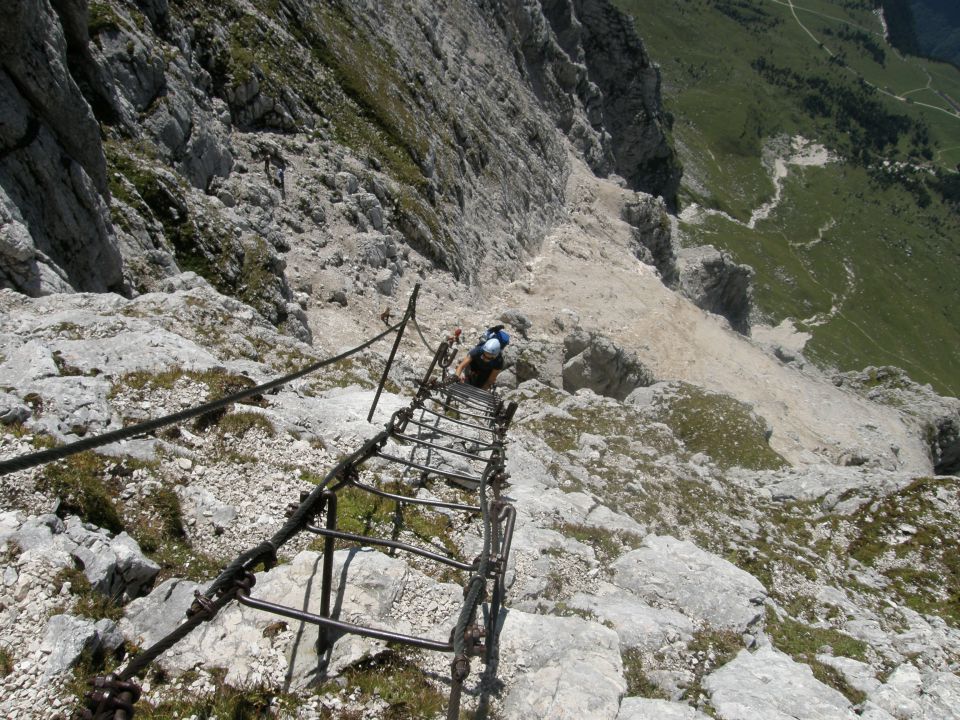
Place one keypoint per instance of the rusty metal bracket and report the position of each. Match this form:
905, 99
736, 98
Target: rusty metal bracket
110, 696
473, 638
202, 605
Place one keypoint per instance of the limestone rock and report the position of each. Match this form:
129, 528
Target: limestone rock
637, 624
637, 708
517, 321
201, 507
595, 362
712, 280
769, 684
652, 235
65, 242
669, 572
540, 360
559, 667
939, 417
114, 566
67, 638
236, 639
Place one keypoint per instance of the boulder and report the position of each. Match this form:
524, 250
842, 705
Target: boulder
667, 572
517, 321
561, 667
540, 360
717, 284
637, 708
113, 566
651, 232
595, 362
769, 684
67, 638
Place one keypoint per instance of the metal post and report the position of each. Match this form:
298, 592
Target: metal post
411, 309
328, 549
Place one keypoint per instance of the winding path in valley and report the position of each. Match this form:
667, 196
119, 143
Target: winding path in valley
902, 98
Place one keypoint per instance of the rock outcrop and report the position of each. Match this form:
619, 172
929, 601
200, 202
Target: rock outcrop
591, 71
586, 360
55, 229
652, 235
717, 284
939, 417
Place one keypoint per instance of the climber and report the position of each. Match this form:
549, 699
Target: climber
481, 365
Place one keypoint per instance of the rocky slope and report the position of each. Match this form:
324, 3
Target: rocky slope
707, 524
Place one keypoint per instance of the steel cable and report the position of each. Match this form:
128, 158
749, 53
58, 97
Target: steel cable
45, 456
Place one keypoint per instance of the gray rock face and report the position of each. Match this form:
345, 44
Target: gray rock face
593, 74
52, 151
114, 566
768, 684
667, 572
560, 667
939, 417
712, 280
910, 693
540, 360
636, 708
595, 362
652, 235
637, 624
67, 638
619, 65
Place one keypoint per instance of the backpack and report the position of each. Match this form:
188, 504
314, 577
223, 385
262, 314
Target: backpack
495, 333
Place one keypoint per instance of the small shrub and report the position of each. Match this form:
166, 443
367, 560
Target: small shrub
78, 482
397, 680
89, 602
638, 684
6, 661
239, 423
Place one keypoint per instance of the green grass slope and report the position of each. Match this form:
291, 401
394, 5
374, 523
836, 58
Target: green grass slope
864, 252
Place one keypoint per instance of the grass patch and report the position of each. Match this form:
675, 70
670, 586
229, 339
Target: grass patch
83, 486
239, 424
101, 17
219, 382
712, 648
638, 684
803, 642
363, 513
863, 251
89, 602
719, 426
395, 678
910, 536
607, 544
161, 534
226, 701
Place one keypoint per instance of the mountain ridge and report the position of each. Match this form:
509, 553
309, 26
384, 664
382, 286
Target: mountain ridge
707, 522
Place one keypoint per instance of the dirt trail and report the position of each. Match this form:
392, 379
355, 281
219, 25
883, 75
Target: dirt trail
586, 265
